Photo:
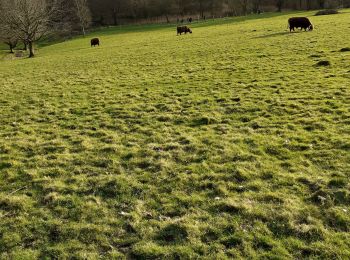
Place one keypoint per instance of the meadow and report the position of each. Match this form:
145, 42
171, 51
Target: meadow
231, 142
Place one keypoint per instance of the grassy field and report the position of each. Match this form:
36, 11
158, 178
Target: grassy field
228, 143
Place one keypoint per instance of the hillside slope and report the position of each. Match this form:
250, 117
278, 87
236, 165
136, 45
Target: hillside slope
228, 143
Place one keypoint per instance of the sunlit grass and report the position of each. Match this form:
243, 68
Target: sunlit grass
226, 143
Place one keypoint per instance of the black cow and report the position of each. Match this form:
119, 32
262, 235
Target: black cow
95, 41
300, 22
183, 29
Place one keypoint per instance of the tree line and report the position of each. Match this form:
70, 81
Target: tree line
116, 12
27, 21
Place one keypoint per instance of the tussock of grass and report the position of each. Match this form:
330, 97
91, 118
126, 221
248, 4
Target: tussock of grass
227, 143
324, 63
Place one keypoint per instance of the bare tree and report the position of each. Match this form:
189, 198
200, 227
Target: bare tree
116, 9
165, 9
279, 5
244, 4
10, 41
308, 4
5, 34
322, 3
180, 7
256, 5
201, 8
83, 13
232, 7
28, 20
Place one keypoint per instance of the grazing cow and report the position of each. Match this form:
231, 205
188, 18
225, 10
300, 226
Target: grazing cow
183, 29
300, 22
95, 41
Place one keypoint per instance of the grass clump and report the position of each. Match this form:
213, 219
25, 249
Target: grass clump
174, 234
323, 63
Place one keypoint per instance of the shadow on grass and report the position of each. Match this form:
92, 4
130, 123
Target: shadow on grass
272, 35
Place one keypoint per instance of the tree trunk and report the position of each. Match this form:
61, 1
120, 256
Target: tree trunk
11, 48
280, 5
256, 7
115, 18
308, 4
201, 12
321, 3
244, 5
31, 49
83, 29
245, 9
279, 8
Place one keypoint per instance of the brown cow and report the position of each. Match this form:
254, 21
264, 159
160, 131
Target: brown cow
299, 22
183, 29
95, 41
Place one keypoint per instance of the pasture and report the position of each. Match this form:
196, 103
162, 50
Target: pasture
227, 143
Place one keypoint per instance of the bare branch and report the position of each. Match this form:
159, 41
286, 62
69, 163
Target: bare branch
27, 20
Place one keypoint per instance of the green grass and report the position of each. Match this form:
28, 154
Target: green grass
227, 143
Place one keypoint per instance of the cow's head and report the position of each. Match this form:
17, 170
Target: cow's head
311, 27
189, 30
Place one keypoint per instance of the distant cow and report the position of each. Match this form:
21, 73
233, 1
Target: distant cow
95, 41
183, 29
300, 22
